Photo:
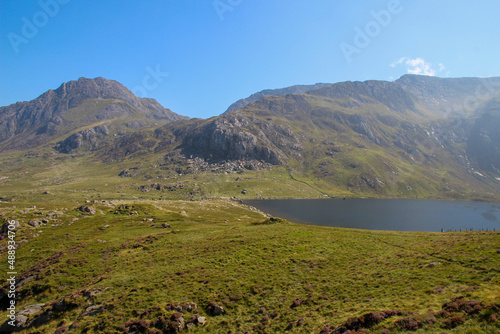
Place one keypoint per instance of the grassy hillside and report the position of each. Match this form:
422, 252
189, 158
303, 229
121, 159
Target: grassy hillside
141, 266
48, 176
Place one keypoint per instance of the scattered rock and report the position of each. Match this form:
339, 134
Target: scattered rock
165, 225
215, 310
202, 321
35, 223
178, 322
296, 303
55, 214
24, 281
197, 320
92, 310
432, 264
87, 209
160, 187
129, 172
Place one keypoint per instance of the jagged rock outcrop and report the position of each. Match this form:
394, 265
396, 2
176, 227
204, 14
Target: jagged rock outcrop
88, 139
231, 138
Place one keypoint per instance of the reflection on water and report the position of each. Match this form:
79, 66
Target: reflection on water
490, 215
387, 214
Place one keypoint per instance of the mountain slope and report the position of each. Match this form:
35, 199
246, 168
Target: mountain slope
297, 89
370, 149
443, 96
74, 105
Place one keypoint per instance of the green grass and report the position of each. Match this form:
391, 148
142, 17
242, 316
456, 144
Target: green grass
222, 252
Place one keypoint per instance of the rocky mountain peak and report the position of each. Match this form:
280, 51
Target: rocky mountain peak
27, 124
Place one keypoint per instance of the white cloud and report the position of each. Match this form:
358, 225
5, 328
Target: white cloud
418, 66
397, 62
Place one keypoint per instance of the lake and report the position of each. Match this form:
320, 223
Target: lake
386, 214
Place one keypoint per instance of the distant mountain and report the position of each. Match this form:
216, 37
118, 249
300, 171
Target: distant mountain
417, 136
443, 96
420, 133
384, 113
388, 93
74, 105
298, 89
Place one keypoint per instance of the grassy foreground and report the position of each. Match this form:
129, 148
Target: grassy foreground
220, 267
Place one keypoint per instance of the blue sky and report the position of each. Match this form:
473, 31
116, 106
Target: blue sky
197, 57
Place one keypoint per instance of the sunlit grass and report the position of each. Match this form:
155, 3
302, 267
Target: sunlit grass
219, 251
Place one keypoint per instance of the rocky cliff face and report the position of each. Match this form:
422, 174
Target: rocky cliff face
232, 137
88, 139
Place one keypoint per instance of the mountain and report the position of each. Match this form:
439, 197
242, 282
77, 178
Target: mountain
81, 104
417, 136
443, 96
297, 89
381, 112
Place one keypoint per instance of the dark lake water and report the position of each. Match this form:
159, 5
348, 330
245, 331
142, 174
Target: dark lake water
386, 214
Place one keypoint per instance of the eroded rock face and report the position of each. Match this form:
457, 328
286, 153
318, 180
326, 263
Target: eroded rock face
234, 137
88, 139
229, 138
